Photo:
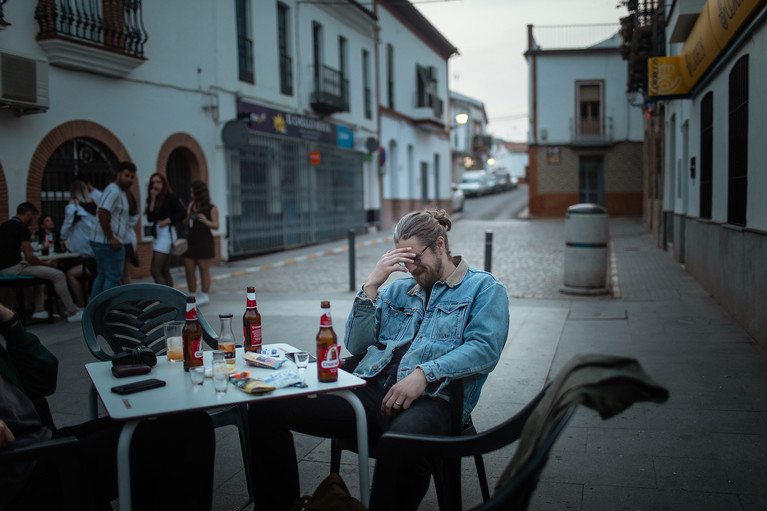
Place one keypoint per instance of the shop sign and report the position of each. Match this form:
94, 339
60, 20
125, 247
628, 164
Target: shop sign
278, 122
716, 26
314, 158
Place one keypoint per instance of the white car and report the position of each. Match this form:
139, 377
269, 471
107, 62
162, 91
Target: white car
458, 197
475, 183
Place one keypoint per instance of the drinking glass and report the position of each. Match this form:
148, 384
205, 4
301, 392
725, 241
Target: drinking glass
197, 375
173, 341
220, 372
302, 360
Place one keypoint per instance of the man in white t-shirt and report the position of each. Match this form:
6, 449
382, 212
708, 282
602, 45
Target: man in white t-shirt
113, 226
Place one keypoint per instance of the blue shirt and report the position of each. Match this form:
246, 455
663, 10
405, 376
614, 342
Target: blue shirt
459, 333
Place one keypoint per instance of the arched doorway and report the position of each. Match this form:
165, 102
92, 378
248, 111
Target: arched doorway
78, 158
178, 170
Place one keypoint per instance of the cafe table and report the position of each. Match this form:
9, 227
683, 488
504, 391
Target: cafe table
180, 395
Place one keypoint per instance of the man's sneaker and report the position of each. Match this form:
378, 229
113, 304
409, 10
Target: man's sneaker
202, 299
77, 316
40, 315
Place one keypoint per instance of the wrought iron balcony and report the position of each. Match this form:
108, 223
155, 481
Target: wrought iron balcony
591, 132
331, 92
106, 37
482, 142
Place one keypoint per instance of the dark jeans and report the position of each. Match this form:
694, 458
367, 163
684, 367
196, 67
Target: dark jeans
171, 465
110, 264
398, 483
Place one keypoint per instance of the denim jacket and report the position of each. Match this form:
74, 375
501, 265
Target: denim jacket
459, 333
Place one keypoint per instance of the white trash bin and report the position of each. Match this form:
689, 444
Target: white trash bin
586, 250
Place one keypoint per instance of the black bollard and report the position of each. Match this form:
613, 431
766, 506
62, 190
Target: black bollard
488, 251
352, 285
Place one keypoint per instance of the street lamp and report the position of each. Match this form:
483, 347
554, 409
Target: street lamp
462, 118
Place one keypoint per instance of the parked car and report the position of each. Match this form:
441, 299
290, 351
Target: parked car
458, 197
474, 183
502, 182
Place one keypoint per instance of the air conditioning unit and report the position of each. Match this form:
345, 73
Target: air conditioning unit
23, 83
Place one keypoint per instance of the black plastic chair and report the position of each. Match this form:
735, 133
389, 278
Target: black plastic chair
65, 454
604, 383
445, 474
133, 315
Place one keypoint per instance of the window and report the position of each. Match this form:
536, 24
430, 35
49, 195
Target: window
389, 76
342, 65
424, 182
283, 43
317, 59
706, 154
589, 105
367, 93
244, 42
737, 158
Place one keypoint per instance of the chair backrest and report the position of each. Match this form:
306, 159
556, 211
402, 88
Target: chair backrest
134, 314
516, 493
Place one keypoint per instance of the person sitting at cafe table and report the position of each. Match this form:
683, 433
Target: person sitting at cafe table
445, 321
172, 457
48, 237
16, 236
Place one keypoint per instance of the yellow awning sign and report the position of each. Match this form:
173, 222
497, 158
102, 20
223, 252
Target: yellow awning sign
666, 77
716, 26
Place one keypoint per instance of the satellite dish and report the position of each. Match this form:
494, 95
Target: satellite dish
235, 134
371, 144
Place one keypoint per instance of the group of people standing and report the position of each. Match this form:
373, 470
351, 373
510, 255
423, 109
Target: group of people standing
99, 225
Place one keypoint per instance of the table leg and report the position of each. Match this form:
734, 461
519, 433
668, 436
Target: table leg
123, 464
362, 443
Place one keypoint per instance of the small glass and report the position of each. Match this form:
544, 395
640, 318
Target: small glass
220, 372
302, 361
197, 375
173, 341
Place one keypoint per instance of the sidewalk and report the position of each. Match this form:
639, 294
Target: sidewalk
706, 448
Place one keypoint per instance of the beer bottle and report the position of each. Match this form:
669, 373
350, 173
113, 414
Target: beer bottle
226, 338
251, 323
328, 359
192, 336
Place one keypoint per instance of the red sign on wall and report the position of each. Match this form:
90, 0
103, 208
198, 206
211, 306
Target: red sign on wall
314, 157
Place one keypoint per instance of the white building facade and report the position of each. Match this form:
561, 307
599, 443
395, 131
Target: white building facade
585, 137
709, 87
470, 145
133, 81
414, 136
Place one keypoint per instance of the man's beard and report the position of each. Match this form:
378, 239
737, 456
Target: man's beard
426, 277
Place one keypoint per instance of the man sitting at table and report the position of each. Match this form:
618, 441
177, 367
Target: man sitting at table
446, 321
16, 236
171, 457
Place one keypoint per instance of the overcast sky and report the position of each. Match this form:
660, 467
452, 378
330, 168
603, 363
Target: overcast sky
491, 37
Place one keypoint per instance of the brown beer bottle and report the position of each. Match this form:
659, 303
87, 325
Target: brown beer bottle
192, 335
328, 353
251, 323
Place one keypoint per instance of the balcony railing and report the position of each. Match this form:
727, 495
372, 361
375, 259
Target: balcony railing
114, 25
286, 74
245, 59
591, 132
482, 142
330, 93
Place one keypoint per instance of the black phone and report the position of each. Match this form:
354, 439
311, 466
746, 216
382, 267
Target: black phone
138, 386
290, 356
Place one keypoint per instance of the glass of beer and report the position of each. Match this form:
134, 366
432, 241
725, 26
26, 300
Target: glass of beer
173, 341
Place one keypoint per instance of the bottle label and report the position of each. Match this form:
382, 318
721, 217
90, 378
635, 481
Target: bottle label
191, 311
250, 303
326, 320
196, 348
328, 358
252, 335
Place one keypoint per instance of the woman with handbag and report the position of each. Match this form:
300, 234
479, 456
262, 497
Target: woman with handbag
202, 219
163, 210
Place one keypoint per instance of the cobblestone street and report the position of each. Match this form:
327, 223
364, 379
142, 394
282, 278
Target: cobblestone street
528, 257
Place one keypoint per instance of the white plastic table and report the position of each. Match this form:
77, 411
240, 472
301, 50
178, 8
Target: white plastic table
179, 395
